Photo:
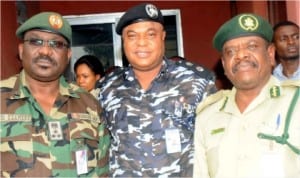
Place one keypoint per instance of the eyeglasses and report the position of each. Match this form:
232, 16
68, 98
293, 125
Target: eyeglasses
51, 43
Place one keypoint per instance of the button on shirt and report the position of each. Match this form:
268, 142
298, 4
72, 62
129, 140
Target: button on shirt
139, 119
34, 144
227, 143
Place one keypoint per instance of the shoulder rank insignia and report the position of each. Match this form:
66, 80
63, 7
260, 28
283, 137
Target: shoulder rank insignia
274, 91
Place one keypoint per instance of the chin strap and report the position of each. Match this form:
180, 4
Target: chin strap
283, 139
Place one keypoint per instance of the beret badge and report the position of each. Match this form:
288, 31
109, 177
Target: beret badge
55, 21
248, 22
151, 11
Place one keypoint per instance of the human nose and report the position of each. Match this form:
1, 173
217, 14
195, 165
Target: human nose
141, 41
242, 53
45, 49
80, 80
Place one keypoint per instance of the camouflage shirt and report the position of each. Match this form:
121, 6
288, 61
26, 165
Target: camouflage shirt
29, 148
139, 120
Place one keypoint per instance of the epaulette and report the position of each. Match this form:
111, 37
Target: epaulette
8, 83
108, 77
74, 86
211, 99
203, 72
290, 83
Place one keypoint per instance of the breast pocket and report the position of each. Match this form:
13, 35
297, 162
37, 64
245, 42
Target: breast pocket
16, 146
84, 134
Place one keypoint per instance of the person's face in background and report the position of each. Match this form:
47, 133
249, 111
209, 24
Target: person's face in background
40, 61
144, 45
286, 41
85, 77
248, 62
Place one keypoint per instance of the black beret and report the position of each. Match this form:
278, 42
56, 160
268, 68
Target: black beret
243, 25
141, 12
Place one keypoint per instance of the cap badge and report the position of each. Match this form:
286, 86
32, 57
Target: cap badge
55, 21
151, 11
248, 22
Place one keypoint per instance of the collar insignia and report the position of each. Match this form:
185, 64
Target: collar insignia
274, 91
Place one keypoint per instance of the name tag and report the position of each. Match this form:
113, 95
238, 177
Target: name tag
84, 116
15, 117
173, 141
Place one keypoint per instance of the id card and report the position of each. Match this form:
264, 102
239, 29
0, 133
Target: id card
272, 163
173, 140
81, 161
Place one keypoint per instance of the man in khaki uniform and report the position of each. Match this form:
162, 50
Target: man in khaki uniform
252, 130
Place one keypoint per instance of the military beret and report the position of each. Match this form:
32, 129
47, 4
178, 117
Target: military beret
242, 25
47, 21
141, 12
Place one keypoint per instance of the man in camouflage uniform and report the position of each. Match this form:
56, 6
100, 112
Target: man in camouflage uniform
49, 128
150, 105
252, 130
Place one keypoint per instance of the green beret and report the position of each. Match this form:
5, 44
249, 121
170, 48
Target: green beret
141, 12
47, 21
243, 25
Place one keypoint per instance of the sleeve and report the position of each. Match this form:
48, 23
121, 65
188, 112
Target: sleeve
104, 145
200, 163
210, 87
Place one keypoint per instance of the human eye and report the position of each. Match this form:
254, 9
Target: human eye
296, 36
151, 34
252, 46
229, 52
56, 44
35, 41
131, 36
282, 38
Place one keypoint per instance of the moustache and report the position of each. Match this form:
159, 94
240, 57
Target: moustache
47, 58
244, 62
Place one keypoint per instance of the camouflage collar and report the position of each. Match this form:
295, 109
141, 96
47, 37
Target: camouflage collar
129, 74
20, 89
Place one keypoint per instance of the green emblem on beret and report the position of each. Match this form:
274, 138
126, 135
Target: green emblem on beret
248, 22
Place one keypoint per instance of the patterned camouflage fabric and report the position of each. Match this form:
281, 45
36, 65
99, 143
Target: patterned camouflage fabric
27, 151
138, 119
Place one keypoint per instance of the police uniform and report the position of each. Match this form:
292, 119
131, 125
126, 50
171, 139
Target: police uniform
152, 130
264, 140
143, 124
71, 141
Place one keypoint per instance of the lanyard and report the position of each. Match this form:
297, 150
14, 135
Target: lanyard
283, 138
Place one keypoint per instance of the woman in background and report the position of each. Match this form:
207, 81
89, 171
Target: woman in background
88, 70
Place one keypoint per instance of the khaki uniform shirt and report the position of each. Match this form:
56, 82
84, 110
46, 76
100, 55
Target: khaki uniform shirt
70, 141
227, 143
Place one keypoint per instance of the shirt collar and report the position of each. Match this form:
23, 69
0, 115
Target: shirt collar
129, 74
277, 72
21, 89
268, 91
